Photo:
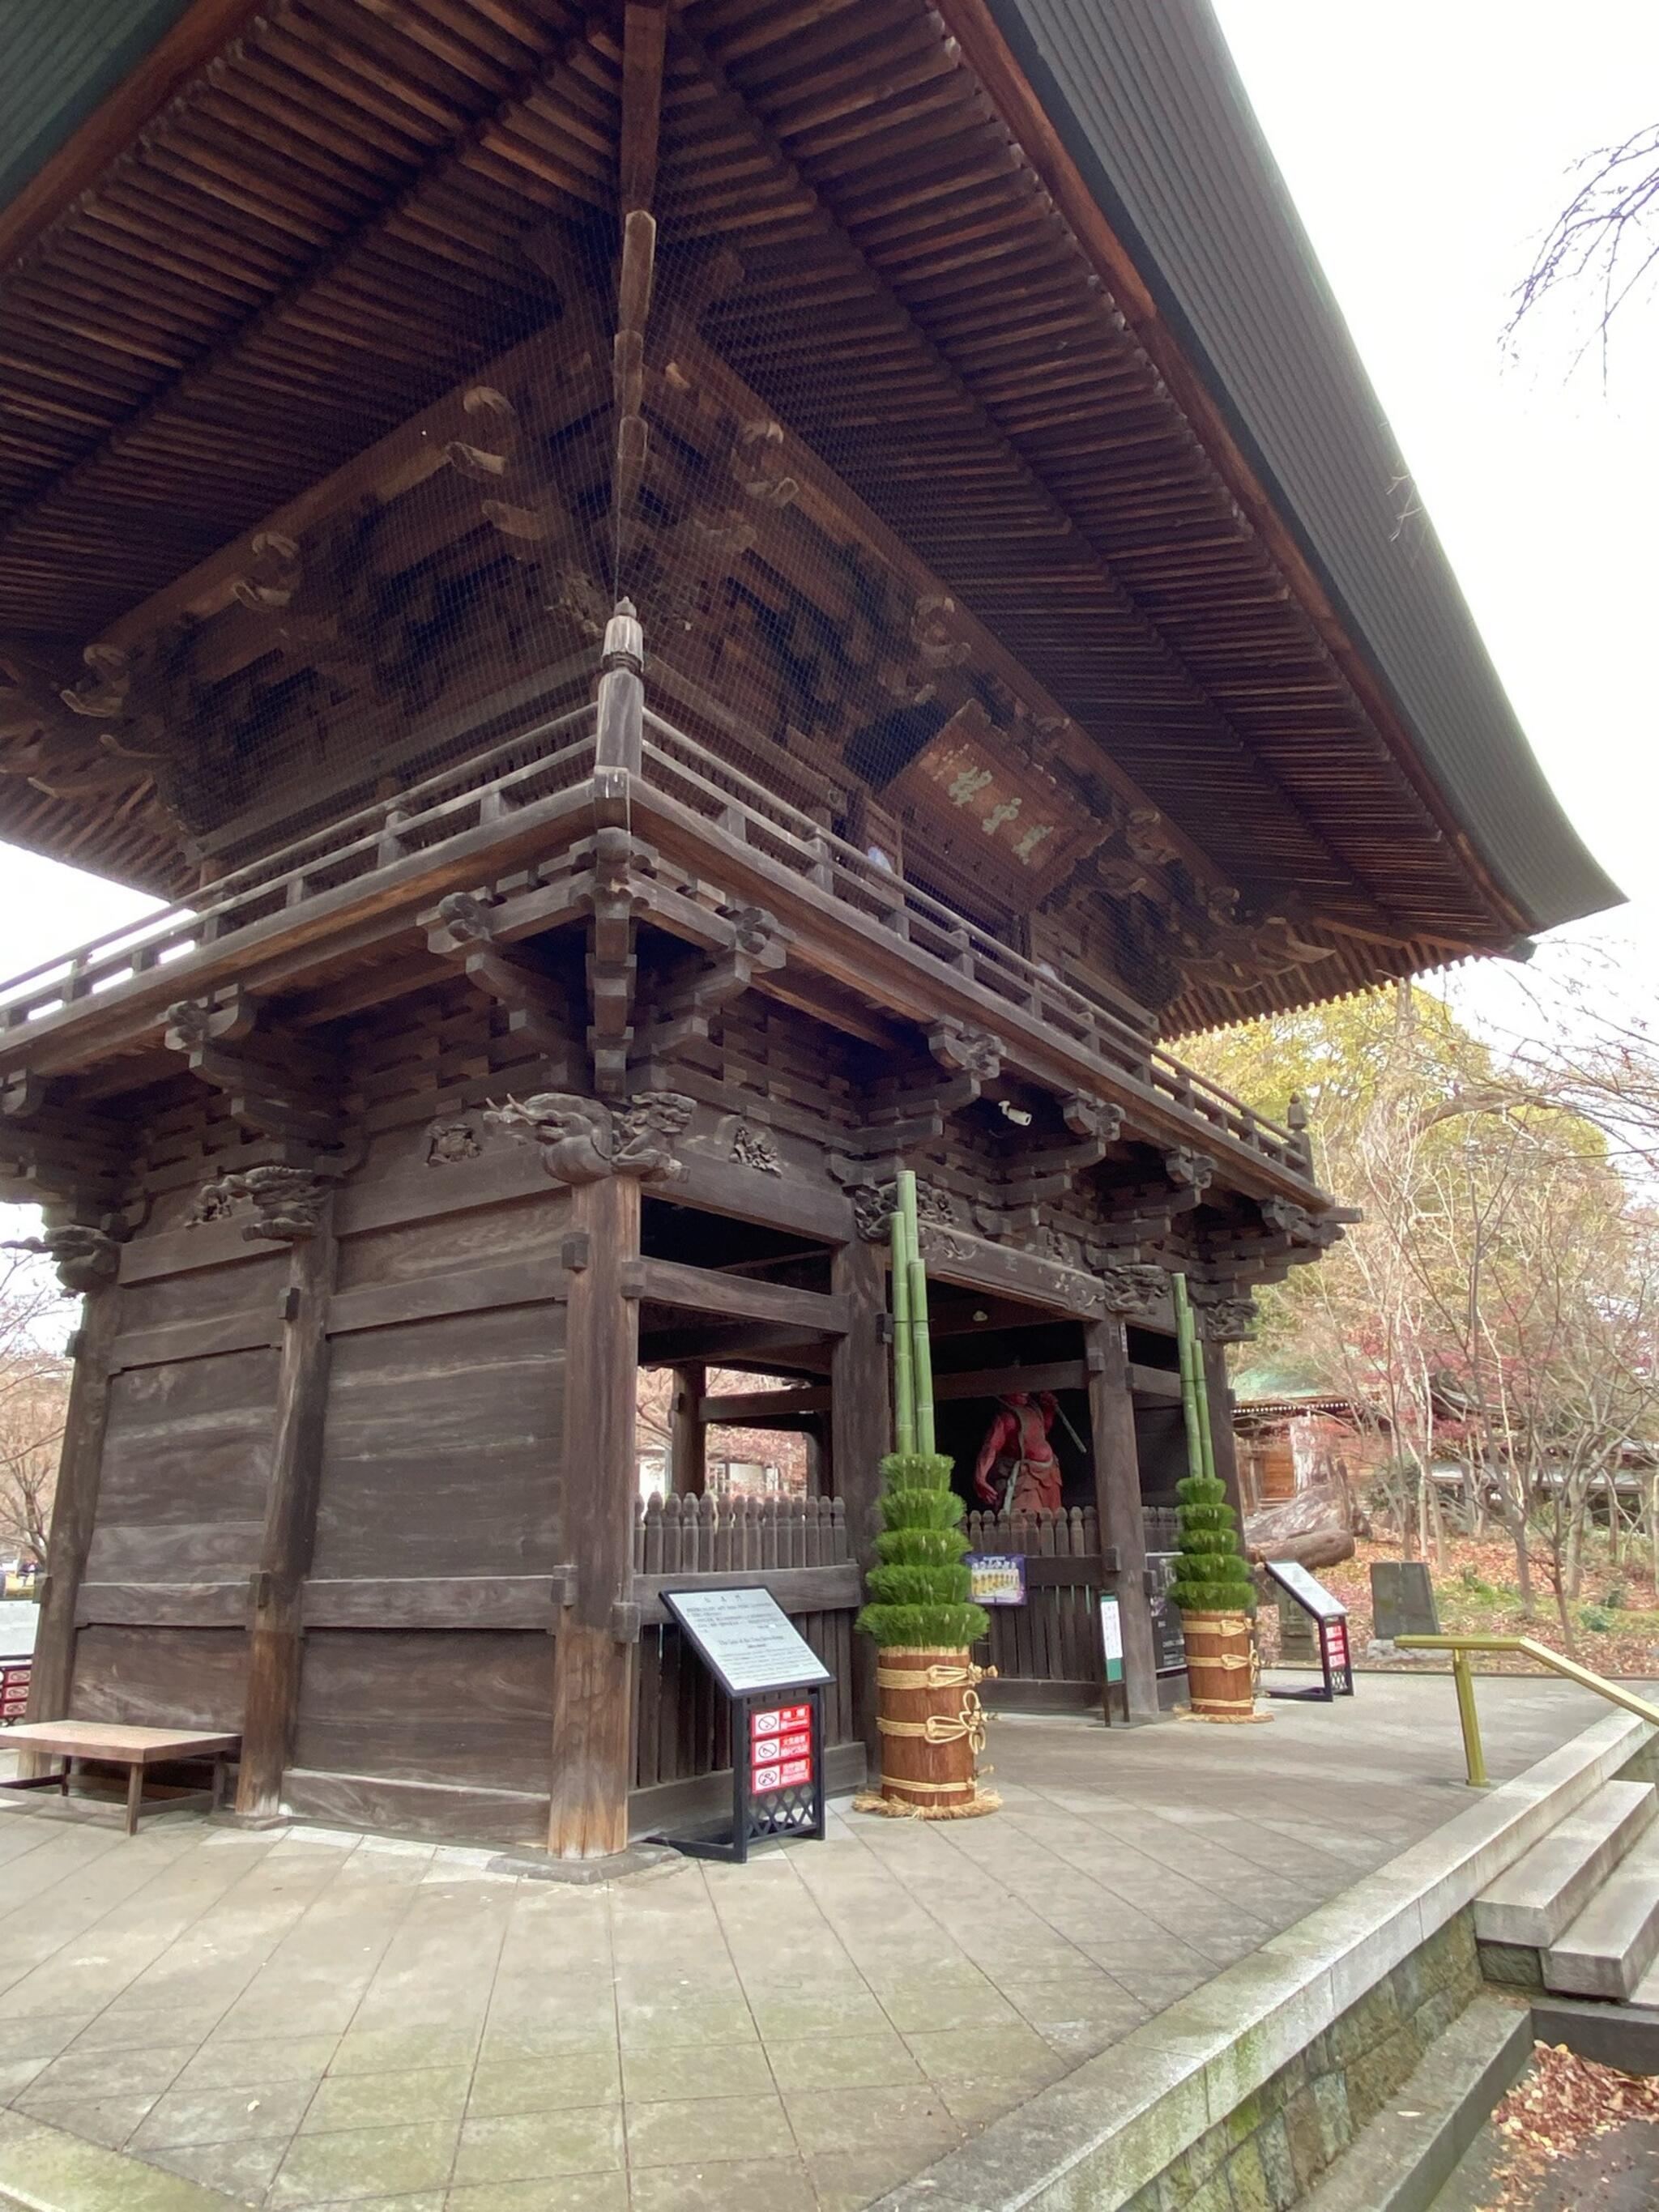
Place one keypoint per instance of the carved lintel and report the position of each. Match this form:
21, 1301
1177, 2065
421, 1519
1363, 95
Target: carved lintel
582, 1140
755, 1147
995, 1266
1132, 1289
286, 1202
452, 1140
874, 1204
1224, 1319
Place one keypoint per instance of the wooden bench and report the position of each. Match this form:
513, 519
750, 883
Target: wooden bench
114, 1745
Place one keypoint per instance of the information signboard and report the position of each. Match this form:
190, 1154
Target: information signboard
1169, 1645
1330, 1618
996, 1577
746, 1639
773, 1680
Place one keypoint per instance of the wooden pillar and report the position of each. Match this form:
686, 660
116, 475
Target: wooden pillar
79, 1466
593, 1671
860, 1434
1219, 1393
688, 1439
1117, 1500
276, 1633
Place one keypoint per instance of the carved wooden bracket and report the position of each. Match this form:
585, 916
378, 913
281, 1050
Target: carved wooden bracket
536, 1008
1189, 1171
84, 1255
277, 1087
966, 1051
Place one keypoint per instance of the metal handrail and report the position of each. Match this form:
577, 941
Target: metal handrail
1460, 1646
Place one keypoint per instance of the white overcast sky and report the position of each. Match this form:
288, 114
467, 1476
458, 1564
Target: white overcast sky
1426, 143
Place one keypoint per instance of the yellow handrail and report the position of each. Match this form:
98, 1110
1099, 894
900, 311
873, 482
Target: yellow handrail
1463, 1673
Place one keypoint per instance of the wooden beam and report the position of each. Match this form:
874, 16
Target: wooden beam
274, 1642
1219, 1393
645, 33
435, 1601
860, 1434
592, 1675
146, 88
739, 1297
762, 1406
80, 1468
1117, 1502
688, 1443
835, 1589
973, 25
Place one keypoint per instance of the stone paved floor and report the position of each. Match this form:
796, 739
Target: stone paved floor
316, 2020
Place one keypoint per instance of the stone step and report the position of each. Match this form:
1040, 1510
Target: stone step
1615, 1939
1544, 1892
1400, 2162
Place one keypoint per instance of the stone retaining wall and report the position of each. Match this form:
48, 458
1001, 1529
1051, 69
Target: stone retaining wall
1267, 2153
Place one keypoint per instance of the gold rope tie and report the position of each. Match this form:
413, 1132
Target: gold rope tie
929, 1678
945, 1728
968, 1781
1228, 1662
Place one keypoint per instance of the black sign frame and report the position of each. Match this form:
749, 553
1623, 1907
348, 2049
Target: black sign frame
1168, 1643
1337, 1671
794, 1810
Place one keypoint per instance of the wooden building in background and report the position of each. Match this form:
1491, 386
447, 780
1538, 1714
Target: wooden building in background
691, 601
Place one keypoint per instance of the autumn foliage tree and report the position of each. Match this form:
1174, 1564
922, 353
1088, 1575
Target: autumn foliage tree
1498, 1307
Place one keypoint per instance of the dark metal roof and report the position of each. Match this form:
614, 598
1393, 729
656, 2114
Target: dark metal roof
1145, 97
61, 58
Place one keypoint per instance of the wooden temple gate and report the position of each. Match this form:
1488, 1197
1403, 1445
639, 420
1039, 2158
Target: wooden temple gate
528, 1013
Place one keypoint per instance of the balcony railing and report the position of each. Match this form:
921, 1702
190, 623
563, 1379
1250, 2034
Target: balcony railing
490, 798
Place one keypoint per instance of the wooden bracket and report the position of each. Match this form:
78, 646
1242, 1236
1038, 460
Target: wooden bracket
576, 1252
625, 1621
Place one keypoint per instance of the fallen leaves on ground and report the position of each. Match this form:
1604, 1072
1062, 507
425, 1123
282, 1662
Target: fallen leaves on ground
1560, 2104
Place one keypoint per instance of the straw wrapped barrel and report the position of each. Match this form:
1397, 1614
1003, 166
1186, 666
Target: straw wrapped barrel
932, 1730
1221, 1675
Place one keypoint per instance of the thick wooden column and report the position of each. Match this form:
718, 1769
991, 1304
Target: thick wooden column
80, 1466
274, 1636
1219, 1393
860, 1434
688, 1439
594, 1669
1117, 1500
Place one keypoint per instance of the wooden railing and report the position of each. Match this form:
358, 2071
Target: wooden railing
1111, 1028
558, 756
554, 756
796, 1546
1054, 1637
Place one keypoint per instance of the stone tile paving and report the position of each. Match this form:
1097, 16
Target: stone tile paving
312, 2020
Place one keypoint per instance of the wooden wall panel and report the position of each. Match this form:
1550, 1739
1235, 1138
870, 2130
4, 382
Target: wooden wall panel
186, 1464
161, 1677
441, 1455
478, 1238
470, 1708
248, 1284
